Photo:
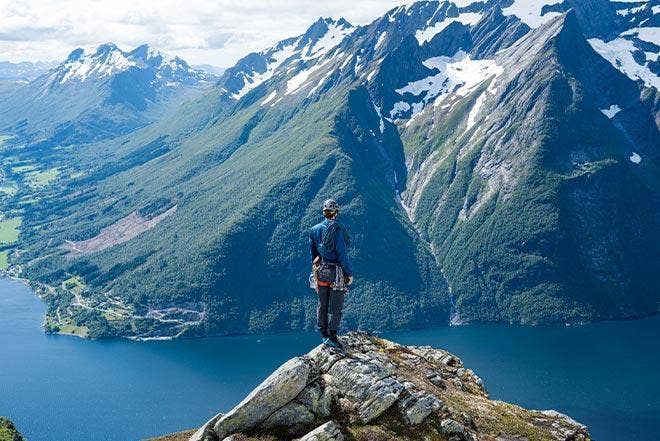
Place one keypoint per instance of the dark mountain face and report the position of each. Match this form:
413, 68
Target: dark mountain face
496, 162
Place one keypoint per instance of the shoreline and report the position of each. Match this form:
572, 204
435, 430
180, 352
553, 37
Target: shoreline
37, 291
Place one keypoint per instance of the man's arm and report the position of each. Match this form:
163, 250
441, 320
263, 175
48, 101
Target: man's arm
340, 246
312, 247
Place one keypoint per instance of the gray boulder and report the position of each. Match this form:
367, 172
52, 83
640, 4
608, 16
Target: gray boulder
368, 383
280, 388
451, 427
291, 415
329, 431
417, 406
206, 432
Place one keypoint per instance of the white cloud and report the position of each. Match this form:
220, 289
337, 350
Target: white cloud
200, 31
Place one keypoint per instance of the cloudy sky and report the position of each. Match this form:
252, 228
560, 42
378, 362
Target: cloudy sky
216, 32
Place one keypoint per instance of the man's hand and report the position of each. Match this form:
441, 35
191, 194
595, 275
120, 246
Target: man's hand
350, 280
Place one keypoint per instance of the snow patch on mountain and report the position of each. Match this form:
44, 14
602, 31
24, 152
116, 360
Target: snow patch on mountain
269, 98
299, 79
619, 52
322, 81
381, 124
611, 111
399, 107
628, 11
381, 39
335, 34
102, 62
458, 74
472, 117
648, 34
529, 11
303, 48
427, 34
346, 61
276, 57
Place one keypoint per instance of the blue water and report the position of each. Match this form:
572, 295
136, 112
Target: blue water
59, 388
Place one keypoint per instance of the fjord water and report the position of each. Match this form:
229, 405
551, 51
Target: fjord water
63, 388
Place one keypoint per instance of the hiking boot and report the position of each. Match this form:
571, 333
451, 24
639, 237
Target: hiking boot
333, 341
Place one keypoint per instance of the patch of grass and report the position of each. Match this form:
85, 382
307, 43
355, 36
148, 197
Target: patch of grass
4, 260
9, 230
179, 436
28, 200
3, 140
81, 331
8, 188
21, 169
39, 179
74, 284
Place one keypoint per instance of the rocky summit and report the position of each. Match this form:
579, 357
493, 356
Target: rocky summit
380, 390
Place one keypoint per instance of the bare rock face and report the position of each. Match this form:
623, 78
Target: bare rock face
270, 398
329, 431
381, 390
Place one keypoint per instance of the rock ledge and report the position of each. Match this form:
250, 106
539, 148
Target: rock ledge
380, 390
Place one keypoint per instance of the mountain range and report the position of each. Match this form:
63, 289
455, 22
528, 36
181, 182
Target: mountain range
14, 75
99, 93
495, 161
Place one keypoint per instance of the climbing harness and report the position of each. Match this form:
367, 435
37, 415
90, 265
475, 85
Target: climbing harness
321, 275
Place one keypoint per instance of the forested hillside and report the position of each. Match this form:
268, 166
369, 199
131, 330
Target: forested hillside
493, 164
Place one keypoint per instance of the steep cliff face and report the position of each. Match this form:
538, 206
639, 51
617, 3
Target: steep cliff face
380, 390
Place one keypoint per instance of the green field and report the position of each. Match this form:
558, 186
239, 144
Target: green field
39, 179
8, 188
20, 169
74, 284
4, 138
4, 260
81, 331
9, 230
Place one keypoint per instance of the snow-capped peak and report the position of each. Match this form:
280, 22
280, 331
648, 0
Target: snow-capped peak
321, 38
107, 60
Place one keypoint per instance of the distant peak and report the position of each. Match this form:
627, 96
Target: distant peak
142, 51
343, 23
76, 54
106, 48
318, 29
148, 54
322, 25
566, 26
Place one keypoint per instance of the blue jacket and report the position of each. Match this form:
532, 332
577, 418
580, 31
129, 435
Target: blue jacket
337, 255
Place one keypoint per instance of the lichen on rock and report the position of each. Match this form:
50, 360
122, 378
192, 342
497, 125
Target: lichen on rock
380, 390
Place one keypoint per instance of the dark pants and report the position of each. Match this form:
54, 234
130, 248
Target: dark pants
330, 301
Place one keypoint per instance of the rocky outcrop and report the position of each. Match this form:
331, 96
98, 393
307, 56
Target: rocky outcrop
379, 390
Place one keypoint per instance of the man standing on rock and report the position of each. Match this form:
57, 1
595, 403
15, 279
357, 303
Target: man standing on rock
332, 270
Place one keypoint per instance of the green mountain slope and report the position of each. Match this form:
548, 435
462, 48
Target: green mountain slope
246, 192
546, 218
488, 172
